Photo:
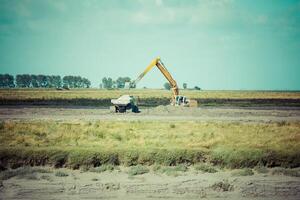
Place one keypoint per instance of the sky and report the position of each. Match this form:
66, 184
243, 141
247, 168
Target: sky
213, 44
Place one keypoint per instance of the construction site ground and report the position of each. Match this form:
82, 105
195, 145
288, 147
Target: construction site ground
247, 114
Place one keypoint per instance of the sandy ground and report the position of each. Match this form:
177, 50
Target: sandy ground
261, 114
118, 185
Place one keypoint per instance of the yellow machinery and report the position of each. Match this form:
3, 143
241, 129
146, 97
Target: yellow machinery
176, 98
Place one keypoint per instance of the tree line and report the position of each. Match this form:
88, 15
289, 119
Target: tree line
53, 81
167, 86
42, 81
109, 83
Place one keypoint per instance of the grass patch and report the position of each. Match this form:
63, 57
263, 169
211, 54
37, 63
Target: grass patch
156, 168
29, 177
286, 172
22, 172
172, 170
261, 169
46, 177
222, 186
77, 145
137, 170
205, 168
61, 174
243, 172
104, 168
237, 157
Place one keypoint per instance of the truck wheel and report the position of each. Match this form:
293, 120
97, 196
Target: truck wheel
122, 109
135, 109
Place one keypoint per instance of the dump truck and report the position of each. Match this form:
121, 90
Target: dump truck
124, 103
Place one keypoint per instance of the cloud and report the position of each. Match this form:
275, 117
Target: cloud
46, 15
196, 13
159, 3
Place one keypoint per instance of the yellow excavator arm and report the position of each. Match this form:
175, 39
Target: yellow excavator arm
157, 62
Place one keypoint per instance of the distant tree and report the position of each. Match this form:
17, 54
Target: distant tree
107, 83
120, 82
42, 80
184, 85
6, 81
68, 82
167, 86
197, 88
53, 81
56, 81
114, 84
86, 83
23, 80
34, 81
50, 81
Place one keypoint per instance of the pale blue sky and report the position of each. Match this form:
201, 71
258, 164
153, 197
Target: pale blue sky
215, 44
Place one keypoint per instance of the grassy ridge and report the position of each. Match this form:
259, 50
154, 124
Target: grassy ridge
47, 94
91, 144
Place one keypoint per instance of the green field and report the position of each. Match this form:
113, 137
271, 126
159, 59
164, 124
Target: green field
24, 94
76, 144
146, 97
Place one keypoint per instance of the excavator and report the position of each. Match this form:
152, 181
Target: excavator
177, 100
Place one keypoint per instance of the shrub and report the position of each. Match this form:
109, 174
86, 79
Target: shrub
137, 170
237, 158
205, 168
61, 174
2, 125
59, 159
172, 126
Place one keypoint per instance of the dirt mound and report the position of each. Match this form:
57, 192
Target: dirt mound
176, 110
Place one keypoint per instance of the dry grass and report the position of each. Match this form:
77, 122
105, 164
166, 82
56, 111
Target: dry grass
48, 94
130, 143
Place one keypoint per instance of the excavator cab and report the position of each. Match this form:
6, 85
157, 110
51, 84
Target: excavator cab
181, 101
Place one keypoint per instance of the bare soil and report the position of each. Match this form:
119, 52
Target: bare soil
119, 185
259, 114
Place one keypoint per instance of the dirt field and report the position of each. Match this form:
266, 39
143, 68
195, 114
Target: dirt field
261, 114
74, 184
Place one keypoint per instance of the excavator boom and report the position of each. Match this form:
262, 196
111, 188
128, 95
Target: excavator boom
176, 98
157, 62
